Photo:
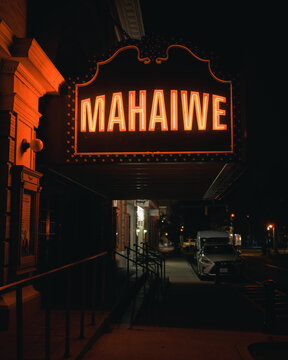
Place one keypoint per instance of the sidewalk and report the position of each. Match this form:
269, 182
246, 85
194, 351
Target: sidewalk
34, 335
196, 320
34, 327
155, 343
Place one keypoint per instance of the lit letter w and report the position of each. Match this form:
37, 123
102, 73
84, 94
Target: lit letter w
188, 111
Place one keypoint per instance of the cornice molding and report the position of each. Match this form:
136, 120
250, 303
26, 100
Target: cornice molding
17, 104
25, 76
19, 71
6, 39
30, 54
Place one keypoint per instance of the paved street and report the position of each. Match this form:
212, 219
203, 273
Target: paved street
261, 268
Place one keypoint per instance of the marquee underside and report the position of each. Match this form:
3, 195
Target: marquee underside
177, 181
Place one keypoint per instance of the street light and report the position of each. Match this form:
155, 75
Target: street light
232, 218
272, 227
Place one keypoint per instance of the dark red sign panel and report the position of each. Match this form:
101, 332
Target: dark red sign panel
143, 106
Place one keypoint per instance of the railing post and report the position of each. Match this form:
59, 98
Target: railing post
48, 320
128, 263
47, 276
164, 260
93, 295
103, 285
161, 270
136, 260
147, 263
83, 300
67, 322
269, 320
19, 323
147, 260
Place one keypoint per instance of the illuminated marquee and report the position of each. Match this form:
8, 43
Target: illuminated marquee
142, 106
190, 105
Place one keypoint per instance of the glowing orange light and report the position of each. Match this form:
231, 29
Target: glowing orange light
158, 103
217, 112
133, 110
201, 115
191, 105
270, 227
215, 122
86, 113
174, 109
116, 106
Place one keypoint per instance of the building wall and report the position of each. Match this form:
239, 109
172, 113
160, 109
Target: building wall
26, 74
14, 13
72, 222
35, 51
142, 228
132, 214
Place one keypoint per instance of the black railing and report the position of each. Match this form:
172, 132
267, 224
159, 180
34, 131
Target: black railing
149, 262
82, 285
44, 280
152, 268
155, 256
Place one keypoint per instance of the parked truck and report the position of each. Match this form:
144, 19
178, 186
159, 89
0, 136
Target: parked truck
210, 237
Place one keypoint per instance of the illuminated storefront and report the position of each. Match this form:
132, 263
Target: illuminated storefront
137, 223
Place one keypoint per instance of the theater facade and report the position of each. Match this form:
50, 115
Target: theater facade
144, 119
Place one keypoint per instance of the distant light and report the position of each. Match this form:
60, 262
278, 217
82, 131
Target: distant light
140, 213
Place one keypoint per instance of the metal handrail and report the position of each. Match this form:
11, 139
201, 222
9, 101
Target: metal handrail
154, 249
138, 253
30, 280
161, 264
131, 260
18, 285
146, 252
150, 272
137, 263
148, 261
161, 258
142, 254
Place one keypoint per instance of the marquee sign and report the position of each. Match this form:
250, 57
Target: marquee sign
144, 106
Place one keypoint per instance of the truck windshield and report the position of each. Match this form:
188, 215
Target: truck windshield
218, 249
216, 240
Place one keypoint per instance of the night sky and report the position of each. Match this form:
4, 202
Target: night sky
244, 38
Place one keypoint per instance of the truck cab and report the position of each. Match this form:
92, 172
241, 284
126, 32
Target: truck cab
210, 237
